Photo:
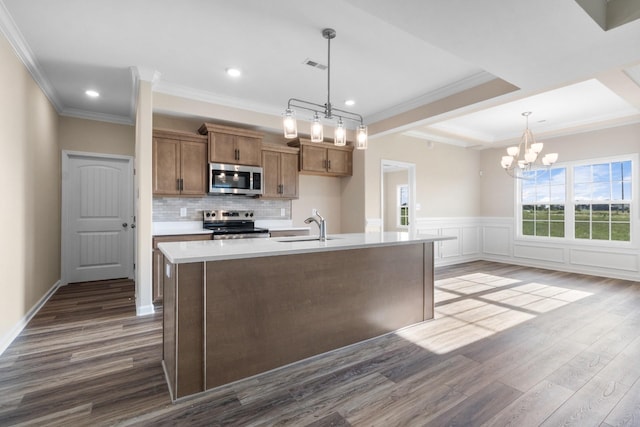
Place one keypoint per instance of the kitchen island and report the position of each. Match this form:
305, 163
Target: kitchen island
237, 308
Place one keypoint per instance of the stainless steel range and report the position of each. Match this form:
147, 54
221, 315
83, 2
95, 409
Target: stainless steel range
232, 225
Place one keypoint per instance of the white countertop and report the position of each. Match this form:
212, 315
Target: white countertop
218, 250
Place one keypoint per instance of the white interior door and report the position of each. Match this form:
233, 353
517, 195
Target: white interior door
97, 217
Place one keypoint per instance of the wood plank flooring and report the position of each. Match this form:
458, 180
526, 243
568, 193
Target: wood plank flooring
509, 346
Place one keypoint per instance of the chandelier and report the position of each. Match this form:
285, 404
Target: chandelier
327, 110
523, 157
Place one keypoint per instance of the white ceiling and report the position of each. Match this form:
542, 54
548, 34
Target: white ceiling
389, 56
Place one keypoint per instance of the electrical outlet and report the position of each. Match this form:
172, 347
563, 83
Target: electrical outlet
282, 212
183, 212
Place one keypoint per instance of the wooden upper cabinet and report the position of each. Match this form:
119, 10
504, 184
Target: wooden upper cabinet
289, 175
193, 165
313, 159
233, 145
166, 166
339, 162
179, 165
320, 158
280, 169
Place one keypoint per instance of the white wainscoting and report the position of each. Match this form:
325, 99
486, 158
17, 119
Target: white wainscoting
499, 243
494, 239
466, 246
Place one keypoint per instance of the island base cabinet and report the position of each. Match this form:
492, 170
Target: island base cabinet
265, 313
234, 318
183, 328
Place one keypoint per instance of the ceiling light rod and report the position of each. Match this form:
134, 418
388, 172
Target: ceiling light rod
515, 165
289, 121
328, 110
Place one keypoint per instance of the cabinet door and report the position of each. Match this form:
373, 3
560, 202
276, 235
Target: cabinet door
249, 150
289, 175
166, 166
314, 159
193, 168
339, 162
271, 171
222, 148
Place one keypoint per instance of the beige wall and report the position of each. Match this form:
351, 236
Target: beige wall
498, 189
354, 196
321, 193
96, 137
30, 173
447, 177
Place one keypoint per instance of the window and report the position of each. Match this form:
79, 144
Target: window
602, 201
583, 201
403, 205
543, 202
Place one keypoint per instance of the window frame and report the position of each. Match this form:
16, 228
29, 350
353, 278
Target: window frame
570, 203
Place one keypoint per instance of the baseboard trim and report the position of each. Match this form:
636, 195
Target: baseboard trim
145, 310
8, 338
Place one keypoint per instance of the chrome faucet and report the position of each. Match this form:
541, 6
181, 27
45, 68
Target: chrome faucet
322, 225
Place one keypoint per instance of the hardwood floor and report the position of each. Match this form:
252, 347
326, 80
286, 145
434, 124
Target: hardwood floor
509, 346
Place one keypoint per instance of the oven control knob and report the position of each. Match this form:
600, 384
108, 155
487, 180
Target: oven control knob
246, 214
251, 214
208, 214
213, 214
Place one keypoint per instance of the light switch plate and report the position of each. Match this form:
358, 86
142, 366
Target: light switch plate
183, 211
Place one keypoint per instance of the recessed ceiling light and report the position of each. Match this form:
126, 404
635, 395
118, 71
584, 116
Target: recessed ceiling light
234, 72
349, 102
92, 93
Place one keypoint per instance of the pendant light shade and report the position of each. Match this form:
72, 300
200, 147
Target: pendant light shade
317, 134
340, 134
289, 124
361, 137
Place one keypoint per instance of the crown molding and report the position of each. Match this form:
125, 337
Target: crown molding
440, 93
10, 30
101, 117
146, 74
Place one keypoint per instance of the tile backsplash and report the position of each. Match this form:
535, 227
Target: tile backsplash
168, 208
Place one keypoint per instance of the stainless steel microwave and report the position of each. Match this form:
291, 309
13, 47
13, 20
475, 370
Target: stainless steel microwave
235, 179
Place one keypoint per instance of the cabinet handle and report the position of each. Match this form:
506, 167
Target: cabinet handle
237, 154
181, 184
178, 184
281, 188
329, 164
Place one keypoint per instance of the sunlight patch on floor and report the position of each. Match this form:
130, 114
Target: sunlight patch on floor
476, 306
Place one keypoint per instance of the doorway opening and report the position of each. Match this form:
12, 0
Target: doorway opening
397, 196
